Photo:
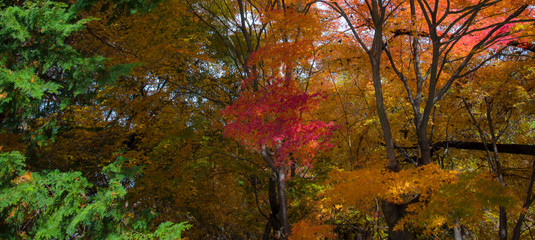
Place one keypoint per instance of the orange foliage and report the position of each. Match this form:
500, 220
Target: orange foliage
311, 230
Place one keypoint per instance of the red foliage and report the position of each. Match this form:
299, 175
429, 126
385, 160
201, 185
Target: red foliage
273, 117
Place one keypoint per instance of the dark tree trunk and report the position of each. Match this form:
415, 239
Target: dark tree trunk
518, 227
393, 213
423, 144
274, 220
267, 229
277, 196
503, 224
375, 60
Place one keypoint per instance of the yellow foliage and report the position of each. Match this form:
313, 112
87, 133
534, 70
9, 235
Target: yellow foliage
434, 197
361, 187
469, 200
415, 187
26, 177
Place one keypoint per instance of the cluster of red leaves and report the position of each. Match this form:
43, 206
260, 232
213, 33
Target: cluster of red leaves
274, 117
502, 36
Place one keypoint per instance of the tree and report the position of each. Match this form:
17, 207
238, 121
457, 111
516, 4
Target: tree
42, 77
446, 25
270, 45
227, 111
165, 116
269, 121
41, 73
57, 205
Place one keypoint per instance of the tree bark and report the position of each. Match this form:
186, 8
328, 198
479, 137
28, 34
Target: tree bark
393, 213
274, 220
457, 231
375, 61
283, 213
503, 224
277, 196
518, 227
424, 145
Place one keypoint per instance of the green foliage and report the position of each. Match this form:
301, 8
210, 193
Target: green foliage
40, 72
12, 164
57, 205
169, 230
36, 58
130, 6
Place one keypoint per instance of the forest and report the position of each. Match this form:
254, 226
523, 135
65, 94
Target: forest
267, 119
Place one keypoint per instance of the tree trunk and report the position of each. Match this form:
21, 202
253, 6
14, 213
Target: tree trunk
277, 196
503, 224
423, 143
267, 229
457, 231
518, 227
375, 60
393, 213
283, 214
274, 220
